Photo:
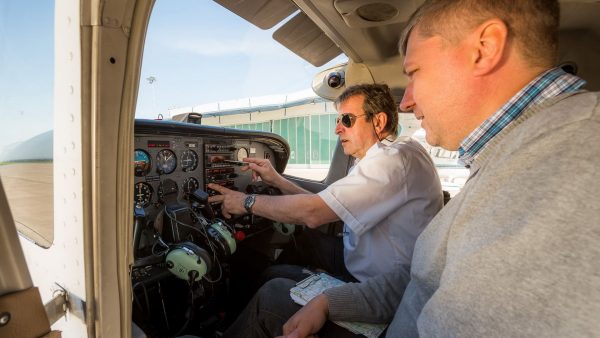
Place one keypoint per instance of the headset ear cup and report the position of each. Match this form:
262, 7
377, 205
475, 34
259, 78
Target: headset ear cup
182, 269
223, 238
203, 254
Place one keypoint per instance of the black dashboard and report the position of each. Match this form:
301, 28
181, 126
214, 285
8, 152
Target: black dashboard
195, 155
173, 164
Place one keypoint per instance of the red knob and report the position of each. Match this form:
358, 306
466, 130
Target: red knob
240, 235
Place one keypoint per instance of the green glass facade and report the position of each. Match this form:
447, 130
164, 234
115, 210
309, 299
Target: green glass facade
262, 126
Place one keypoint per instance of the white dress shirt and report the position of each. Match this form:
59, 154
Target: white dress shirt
385, 201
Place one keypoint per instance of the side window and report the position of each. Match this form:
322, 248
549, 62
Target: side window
26, 106
452, 174
237, 76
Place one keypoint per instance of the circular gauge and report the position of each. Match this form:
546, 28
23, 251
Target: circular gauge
242, 153
190, 185
142, 163
189, 160
142, 194
166, 161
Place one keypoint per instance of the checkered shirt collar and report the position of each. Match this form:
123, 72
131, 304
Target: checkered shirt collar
549, 84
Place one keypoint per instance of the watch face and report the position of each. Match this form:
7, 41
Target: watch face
249, 202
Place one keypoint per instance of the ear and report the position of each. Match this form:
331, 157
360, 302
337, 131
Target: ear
380, 121
490, 40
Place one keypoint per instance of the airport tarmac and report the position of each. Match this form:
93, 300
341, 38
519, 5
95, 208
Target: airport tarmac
29, 187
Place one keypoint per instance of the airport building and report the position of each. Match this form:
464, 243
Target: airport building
305, 120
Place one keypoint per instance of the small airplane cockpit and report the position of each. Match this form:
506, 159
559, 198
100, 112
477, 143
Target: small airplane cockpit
193, 268
119, 115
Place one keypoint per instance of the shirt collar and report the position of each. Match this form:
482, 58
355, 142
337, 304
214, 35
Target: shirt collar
551, 83
376, 146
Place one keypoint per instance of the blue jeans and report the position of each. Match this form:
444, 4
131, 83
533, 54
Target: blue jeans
269, 309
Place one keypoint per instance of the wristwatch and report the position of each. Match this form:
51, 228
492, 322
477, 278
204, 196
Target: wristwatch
249, 202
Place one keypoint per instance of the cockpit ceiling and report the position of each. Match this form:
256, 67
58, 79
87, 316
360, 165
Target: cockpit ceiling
321, 30
303, 37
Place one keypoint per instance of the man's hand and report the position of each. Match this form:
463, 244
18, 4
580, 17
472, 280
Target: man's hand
262, 168
232, 202
308, 320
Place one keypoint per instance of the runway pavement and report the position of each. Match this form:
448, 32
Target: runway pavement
29, 188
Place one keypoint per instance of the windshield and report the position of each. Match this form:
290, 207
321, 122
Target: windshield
200, 57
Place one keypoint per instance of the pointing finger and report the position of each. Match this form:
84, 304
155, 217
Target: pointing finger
217, 188
249, 166
216, 199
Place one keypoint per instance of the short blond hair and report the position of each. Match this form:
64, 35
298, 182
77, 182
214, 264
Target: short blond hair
532, 24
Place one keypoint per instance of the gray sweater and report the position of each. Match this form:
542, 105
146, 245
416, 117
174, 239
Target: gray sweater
516, 252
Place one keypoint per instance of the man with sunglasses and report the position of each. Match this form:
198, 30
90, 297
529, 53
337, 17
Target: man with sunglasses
385, 201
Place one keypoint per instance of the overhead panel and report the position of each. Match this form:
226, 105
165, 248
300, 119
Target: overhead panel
367, 13
303, 37
263, 14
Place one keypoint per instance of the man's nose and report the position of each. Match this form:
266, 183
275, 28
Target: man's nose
338, 128
408, 101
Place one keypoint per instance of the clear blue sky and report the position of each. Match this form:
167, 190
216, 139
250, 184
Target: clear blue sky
198, 51
26, 69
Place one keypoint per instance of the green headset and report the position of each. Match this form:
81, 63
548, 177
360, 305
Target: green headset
188, 261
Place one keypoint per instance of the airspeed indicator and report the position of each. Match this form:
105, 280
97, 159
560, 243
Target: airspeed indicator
166, 161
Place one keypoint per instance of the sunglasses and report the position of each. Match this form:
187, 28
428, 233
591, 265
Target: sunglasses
347, 119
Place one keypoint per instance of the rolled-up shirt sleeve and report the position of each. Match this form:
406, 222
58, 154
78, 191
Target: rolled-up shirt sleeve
371, 191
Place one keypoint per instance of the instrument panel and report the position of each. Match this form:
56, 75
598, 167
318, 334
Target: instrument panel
190, 162
193, 156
